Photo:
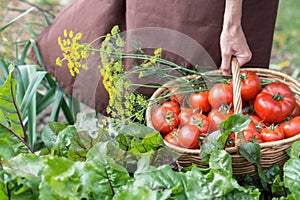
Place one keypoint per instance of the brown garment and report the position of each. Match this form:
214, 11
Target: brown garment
201, 20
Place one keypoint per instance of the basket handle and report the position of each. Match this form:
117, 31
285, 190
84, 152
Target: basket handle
237, 100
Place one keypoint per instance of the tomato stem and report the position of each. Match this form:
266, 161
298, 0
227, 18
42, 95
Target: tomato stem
277, 97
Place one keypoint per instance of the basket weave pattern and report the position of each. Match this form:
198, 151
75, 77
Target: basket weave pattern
271, 152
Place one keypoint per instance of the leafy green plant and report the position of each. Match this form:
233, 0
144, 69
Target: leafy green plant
100, 173
35, 88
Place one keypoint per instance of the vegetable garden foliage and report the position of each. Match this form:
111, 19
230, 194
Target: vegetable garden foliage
89, 160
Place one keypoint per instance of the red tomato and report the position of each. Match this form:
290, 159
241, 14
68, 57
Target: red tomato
199, 100
164, 120
275, 103
177, 95
292, 127
251, 126
259, 124
185, 115
173, 105
252, 134
219, 94
217, 116
272, 133
296, 111
250, 85
188, 136
230, 142
172, 137
201, 121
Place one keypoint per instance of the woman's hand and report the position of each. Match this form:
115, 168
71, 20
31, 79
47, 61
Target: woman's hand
233, 41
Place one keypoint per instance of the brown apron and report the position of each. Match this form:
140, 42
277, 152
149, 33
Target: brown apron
201, 20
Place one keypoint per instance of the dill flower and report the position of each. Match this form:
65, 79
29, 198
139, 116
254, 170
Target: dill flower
74, 52
123, 103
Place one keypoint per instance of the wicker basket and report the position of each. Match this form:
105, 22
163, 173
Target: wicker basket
271, 152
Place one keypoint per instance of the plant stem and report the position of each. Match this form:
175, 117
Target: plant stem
18, 112
18, 137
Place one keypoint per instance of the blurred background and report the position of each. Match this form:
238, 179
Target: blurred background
286, 45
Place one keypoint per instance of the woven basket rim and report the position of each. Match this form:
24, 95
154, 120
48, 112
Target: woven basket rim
269, 72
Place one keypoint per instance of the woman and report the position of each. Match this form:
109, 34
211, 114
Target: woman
224, 28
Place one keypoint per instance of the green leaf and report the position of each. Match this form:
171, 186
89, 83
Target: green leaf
48, 136
295, 151
210, 144
150, 142
291, 176
67, 110
16, 19
144, 163
60, 179
22, 174
217, 139
138, 138
221, 160
137, 193
234, 123
137, 130
216, 184
57, 127
3, 191
10, 146
251, 152
6, 149
45, 100
59, 95
89, 133
28, 166
31, 90
10, 112
102, 176
245, 195
163, 180
82, 142
64, 140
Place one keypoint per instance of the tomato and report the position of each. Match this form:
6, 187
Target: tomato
275, 103
164, 120
217, 116
219, 94
173, 105
250, 85
188, 136
250, 134
172, 137
272, 133
230, 142
296, 111
199, 100
185, 115
201, 121
258, 122
177, 95
292, 127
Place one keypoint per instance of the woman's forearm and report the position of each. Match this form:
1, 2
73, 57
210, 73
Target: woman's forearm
233, 41
233, 13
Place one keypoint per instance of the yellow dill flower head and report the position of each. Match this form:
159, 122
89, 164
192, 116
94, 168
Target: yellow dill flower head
65, 33
74, 52
58, 62
157, 52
